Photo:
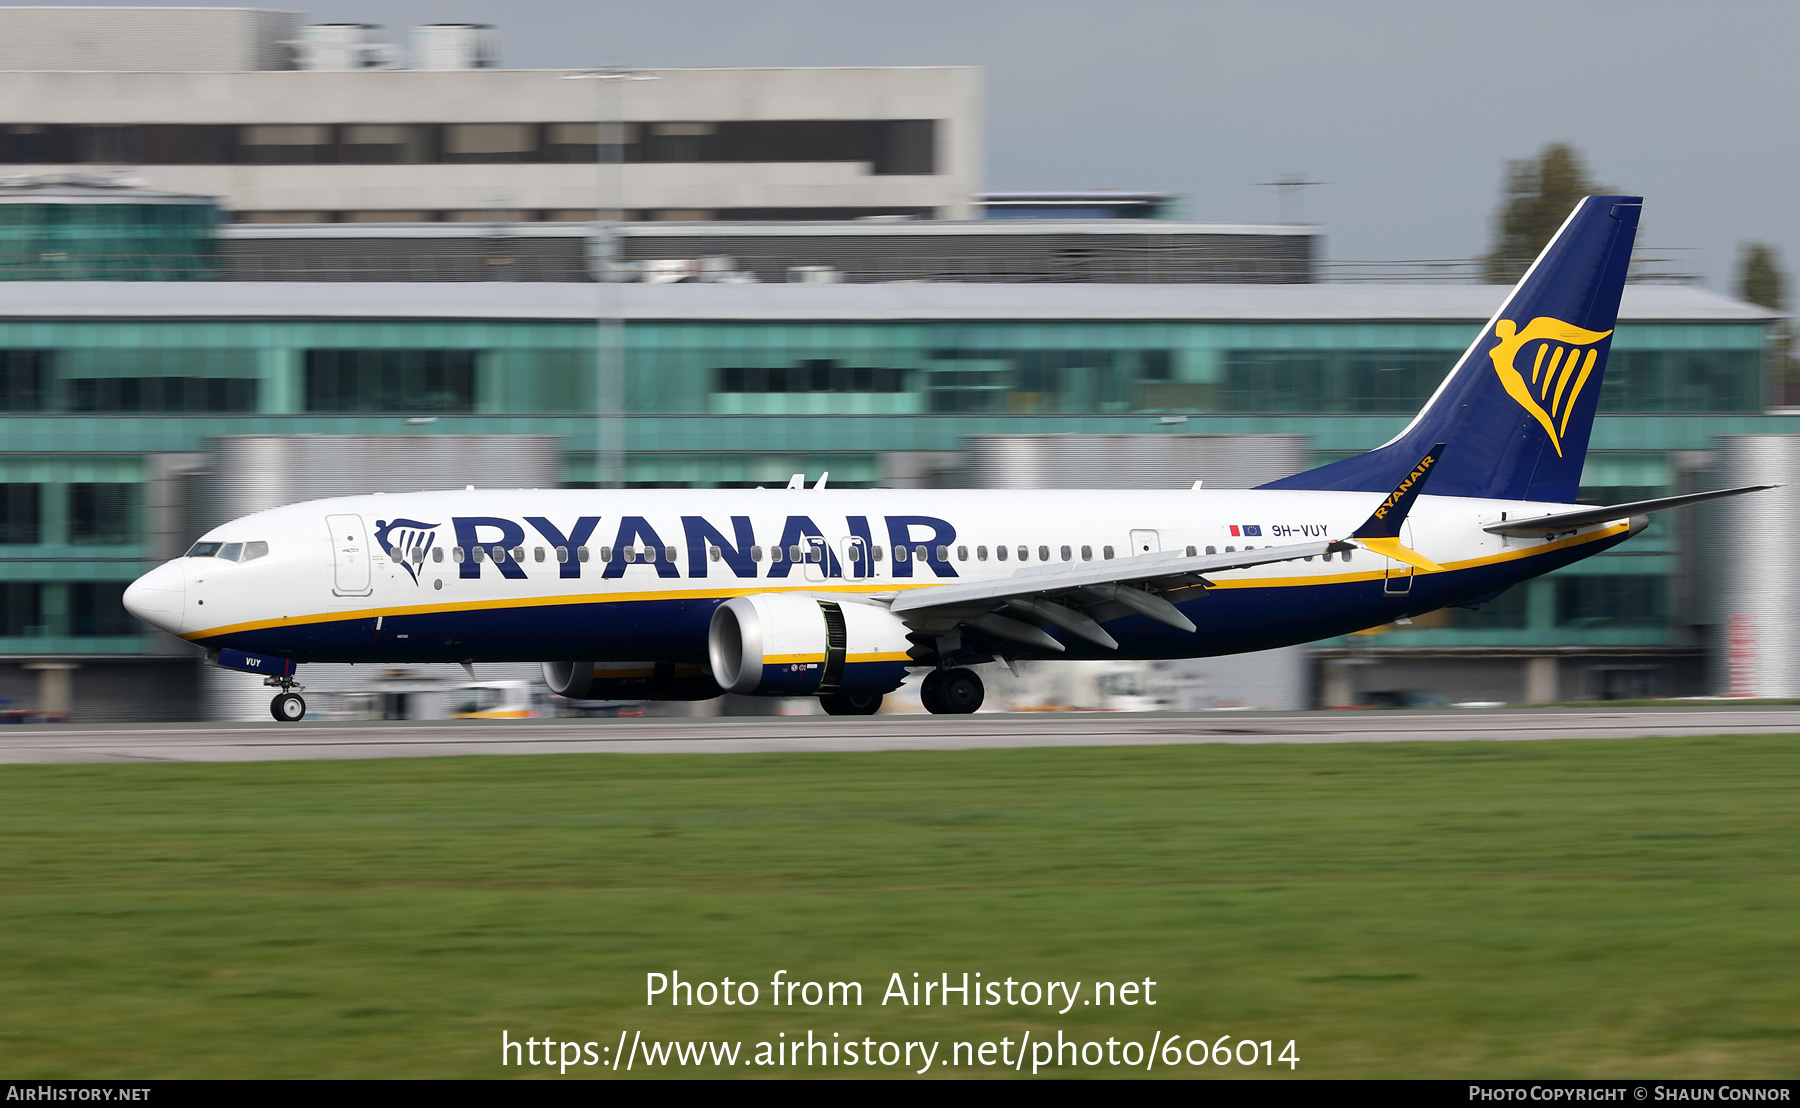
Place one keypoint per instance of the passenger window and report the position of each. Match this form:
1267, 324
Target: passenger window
815, 554
1000, 553
231, 551
877, 553
793, 554
562, 553
900, 553
480, 553
943, 553
456, 555
756, 553
537, 553
606, 553
981, 553
671, 555
518, 554
1231, 550
1106, 552
1308, 558
581, 553
629, 554
1212, 550
713, 553
203, 550
1345, 555
1043, 553
437, 554
962, 553
1190, 552
255, 550
1067, 554
1024, 553
1087, 553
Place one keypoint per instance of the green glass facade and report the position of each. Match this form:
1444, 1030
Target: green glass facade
722, 403
108, 242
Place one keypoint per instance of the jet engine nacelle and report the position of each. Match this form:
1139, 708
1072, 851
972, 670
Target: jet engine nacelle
781, 644
630, 681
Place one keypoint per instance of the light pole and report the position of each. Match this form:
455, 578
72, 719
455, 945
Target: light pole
609, 327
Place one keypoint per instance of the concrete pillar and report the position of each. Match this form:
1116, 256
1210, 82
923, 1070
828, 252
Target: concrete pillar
1541, 686
55, 686
1338, 689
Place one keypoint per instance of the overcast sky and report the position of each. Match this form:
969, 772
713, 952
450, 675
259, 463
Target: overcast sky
1406, 109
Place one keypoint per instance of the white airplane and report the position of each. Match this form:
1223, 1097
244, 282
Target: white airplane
686, 594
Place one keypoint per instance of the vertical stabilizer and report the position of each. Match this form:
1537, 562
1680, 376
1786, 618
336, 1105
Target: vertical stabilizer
1518, 408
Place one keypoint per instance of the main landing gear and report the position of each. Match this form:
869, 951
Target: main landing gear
288, 705
851, 704
952, 692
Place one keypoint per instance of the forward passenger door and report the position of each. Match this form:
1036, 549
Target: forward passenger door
350, 557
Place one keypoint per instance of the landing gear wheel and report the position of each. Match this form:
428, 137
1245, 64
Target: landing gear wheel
287, 707
851, 704
960, 692
930, 691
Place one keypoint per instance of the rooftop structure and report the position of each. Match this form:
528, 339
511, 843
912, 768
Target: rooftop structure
1089, 204
319, 124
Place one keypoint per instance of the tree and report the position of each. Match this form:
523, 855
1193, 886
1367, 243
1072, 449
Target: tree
1759, 279
1540, 194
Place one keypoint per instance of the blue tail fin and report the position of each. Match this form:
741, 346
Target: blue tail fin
1516, 412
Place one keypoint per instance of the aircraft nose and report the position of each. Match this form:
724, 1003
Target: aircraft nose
157, 596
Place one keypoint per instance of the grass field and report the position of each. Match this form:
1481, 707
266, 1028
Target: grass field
1459, 909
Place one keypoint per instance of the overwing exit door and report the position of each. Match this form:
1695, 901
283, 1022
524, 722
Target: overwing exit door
349, 556
1145, 542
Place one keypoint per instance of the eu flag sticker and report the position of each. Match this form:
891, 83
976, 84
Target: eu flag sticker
1253, 530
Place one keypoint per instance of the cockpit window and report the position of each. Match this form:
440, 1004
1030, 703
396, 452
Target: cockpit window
230, 551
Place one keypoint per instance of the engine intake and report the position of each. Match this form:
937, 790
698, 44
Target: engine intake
781, 644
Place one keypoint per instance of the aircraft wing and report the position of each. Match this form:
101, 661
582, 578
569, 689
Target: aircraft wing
1559, 522
1055, 594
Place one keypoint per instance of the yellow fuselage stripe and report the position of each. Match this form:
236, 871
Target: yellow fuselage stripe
862, 589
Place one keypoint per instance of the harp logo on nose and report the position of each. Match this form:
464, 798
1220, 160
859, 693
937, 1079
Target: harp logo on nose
1556, 382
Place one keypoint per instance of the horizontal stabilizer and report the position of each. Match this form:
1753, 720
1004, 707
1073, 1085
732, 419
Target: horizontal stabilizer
1560, 522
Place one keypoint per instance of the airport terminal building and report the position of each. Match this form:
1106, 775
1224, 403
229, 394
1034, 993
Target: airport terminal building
169, 358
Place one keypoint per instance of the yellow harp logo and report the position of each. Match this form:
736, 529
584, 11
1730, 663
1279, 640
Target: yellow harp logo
1550, 393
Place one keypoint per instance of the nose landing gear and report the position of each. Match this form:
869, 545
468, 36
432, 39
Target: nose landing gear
288, 705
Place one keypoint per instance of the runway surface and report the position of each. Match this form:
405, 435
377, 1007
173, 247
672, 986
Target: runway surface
72, 743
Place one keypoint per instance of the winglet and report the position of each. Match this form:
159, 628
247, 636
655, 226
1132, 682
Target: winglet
1385, 523
1380, 533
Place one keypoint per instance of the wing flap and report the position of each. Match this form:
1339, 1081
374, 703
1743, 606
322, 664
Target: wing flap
1146, 568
